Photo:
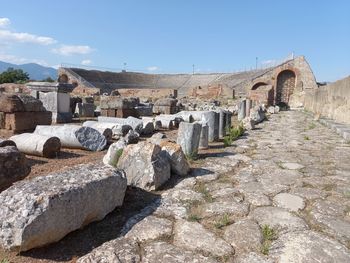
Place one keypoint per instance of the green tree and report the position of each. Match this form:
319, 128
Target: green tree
48, 79
12, 75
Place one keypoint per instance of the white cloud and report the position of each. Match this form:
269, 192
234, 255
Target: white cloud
20, 60
4, 21
86, 62
67, 50
6, 35
152, 68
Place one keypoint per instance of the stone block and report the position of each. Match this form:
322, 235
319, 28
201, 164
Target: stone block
43, 210
26, 121
145, 165
13, 167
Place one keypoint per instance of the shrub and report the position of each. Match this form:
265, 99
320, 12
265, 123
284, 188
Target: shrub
232, 134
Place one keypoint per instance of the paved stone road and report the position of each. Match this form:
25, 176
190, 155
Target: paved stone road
280, 194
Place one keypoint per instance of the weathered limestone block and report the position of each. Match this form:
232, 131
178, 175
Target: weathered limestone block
25, 121
177, 158
44, 209
114, 152
135, 123
120, 250
4, 142
157, 138
188, 137
248, 123
73, 136
204, 138
166, 123
145, 165
116, 102
36, 144
13, 166
257, 114
20, 103
165, 106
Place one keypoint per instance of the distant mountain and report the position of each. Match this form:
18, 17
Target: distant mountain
35, 71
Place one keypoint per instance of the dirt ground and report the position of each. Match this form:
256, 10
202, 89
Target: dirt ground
80, 242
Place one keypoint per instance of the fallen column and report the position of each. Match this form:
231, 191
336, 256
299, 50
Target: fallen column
186, 116
73, 136
135, 123
36, 144
156, 123
106, 132
188, 137
43, 210
118, 130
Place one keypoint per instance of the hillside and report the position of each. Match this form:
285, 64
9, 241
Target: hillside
35, 71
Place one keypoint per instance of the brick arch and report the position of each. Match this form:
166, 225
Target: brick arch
258, 84
63, 78
285, 84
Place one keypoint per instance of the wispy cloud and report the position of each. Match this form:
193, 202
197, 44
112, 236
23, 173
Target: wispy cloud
9, 36
152, 68
86, 62
271, 61
68, 50
4, 21
21, 60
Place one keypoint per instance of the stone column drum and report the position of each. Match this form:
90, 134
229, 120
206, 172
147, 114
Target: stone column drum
188, 137
242, 110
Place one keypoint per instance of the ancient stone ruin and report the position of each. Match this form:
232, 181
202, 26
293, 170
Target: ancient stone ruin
223, 167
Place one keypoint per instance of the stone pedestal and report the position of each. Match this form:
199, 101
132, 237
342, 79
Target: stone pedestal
242, 110
55, 98
188, 137
203, 141
248, 106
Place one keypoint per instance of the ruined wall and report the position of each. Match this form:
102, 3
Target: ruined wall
211, 92
304, 79
148, 93
331, 101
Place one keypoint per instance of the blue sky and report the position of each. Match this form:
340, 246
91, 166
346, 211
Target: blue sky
171, 36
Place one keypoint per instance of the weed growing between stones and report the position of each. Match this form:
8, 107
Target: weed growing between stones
192, 156
4, 260
193, 218
306, 138
232, 134
269, 234
311, 126
223, 221
201, 188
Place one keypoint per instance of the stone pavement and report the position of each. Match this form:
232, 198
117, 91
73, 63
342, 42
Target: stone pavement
279, 194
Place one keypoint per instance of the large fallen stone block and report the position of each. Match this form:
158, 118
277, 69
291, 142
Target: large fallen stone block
176, 156
44, 209
13, 166
257, 114
145, 165
73, 136
188, 137
36, 144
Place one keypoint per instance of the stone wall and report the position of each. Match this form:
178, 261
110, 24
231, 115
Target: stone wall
304, 80
331, 101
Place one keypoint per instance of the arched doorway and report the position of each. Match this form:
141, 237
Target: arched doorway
257, 85
63, 78
285, 86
